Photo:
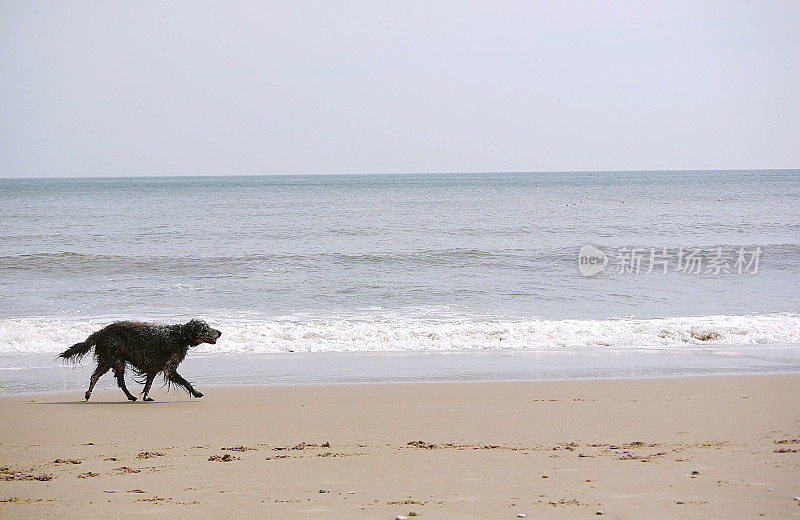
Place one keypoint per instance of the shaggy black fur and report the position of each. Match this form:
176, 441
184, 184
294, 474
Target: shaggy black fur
148, 348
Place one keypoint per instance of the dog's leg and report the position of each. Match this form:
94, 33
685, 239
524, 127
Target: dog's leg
175, 377
147, 384
119, 371
101, 369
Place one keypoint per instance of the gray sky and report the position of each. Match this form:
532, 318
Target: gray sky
190, 88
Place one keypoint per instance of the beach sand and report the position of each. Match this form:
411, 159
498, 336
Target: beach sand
694, 447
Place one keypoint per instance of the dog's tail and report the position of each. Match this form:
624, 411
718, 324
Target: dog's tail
78, 350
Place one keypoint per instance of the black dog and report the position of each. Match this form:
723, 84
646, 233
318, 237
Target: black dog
148, 348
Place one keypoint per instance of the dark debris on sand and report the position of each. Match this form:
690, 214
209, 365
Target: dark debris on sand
7, 473
222, 458
149, 454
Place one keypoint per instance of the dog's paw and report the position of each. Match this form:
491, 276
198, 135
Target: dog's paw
87, 395
132, 399
198, 394
147, 399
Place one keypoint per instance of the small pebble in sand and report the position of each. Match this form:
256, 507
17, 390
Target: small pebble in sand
545, 476
412, 513
522, 515
324, 491
400, 517
599, 513
695, 472
351, 492
679, 502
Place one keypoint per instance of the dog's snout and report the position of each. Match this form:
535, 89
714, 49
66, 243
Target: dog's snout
218, 333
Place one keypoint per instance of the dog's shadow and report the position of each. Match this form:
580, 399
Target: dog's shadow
121, 403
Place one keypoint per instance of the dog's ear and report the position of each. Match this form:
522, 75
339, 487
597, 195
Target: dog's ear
193, 326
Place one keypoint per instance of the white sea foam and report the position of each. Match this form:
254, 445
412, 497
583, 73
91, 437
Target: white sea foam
32, 335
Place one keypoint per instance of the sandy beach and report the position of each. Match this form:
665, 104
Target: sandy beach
695, 447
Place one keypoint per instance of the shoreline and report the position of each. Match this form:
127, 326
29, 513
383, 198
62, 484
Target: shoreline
41, 373
548, 449
111, 387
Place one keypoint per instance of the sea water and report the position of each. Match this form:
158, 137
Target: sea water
341, 278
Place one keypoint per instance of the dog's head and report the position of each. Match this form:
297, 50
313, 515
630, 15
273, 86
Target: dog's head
199, 331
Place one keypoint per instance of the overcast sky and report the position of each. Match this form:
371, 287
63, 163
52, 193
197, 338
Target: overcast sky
195, 88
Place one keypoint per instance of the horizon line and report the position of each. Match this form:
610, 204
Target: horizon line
322, 174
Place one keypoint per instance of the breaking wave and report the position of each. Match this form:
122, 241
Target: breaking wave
376, 334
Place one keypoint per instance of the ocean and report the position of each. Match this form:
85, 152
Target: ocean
354, 278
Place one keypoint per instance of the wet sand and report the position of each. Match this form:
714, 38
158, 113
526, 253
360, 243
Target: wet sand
693, 447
